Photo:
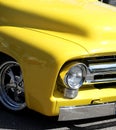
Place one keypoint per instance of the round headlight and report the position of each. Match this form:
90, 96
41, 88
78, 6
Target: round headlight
75, 77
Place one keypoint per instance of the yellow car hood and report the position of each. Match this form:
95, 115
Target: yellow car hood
88, 23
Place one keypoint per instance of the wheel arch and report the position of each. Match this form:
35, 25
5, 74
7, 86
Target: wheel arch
5, 57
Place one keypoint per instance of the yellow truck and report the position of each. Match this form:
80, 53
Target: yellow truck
58, 57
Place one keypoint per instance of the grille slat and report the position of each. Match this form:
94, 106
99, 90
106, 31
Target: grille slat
101, 70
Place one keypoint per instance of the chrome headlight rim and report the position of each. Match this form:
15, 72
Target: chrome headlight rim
83, 69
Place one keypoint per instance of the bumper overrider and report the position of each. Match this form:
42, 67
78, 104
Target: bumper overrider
88, 111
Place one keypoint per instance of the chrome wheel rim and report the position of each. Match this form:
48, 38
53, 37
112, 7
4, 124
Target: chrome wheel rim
12, 86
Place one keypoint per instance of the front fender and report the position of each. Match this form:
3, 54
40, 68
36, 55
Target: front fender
41, 56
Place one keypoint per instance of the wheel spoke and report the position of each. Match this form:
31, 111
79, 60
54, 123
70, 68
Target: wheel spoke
10, 86
20, 85
11, 75
16, 97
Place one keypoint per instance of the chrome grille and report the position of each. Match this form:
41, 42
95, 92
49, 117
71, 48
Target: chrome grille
101, 70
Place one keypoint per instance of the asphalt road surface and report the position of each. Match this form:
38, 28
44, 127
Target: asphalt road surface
30, 120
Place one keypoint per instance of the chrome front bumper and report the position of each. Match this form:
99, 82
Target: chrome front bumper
85, 112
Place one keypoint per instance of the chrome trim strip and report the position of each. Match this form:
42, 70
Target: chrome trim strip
103, 70
90, 77
104, 67
104, 80
85, 112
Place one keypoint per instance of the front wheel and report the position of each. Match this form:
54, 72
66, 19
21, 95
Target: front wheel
12, 86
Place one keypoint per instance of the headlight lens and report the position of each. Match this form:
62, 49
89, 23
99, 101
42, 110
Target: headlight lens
75, 77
